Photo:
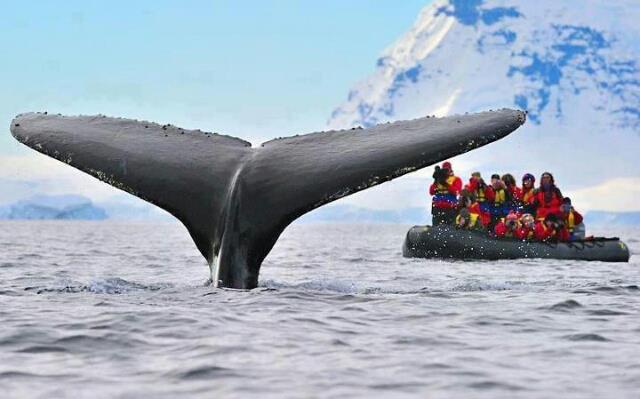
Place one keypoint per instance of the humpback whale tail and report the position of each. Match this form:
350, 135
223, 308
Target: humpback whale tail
236, 200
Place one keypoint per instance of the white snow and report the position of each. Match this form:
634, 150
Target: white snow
574, 65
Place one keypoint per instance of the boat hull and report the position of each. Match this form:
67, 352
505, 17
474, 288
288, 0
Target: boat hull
451, 243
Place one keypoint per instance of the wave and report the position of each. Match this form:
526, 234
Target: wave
113, 285
350, 287
206, 373
586, 337
565, 305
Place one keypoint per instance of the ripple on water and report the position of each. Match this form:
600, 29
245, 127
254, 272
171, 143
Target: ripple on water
111, 286
206, 373
606, 312
586, 337
357, 321
88, 343
11, 375
564, 306
43, 349
492, 385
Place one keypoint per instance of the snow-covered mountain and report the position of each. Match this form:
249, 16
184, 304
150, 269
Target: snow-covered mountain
573, 65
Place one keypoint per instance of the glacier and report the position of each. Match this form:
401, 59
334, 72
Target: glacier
574, 66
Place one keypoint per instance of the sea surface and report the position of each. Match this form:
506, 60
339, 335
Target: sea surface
121, 310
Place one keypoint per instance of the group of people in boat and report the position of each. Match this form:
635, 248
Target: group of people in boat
503, 208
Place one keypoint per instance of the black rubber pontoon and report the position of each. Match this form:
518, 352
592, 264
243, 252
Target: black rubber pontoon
448, 242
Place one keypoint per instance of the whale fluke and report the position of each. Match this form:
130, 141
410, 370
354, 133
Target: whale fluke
236, 200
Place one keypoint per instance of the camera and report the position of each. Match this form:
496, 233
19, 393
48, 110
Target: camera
441, 175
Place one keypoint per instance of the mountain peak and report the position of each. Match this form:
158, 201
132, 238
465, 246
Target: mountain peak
573, 65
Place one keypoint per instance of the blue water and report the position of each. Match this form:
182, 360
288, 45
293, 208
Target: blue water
103, 310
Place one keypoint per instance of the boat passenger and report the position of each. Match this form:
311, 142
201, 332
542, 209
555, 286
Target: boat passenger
445, 190
483, 192
548, 198
572, 220
508, 226
500, 200
515, 193
468, 221
468, 201
526, 231
527, 192
551, 229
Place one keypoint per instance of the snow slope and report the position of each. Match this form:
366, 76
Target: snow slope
573, 65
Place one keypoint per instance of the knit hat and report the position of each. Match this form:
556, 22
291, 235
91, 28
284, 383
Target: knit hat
476, 174
529, 176
446, 165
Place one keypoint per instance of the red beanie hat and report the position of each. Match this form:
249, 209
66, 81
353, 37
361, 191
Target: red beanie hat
446, 165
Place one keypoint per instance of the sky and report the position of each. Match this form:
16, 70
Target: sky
256, 70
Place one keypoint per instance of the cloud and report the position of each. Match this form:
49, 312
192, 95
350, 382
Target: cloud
618, 194
27, 175
23, 176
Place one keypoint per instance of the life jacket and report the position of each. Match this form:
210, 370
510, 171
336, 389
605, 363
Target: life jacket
484, 217
514, 202
442, 193
501, 196
543, 207
544, 233
499, 204
473, 220
571, 221
527, 196
516, 193
480, 195
525, 233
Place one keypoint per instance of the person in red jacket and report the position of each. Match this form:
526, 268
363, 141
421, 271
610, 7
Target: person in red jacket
484, 193
572, 220
526, 231
514, 202
548, 198
445, 190
551, 229
508, 226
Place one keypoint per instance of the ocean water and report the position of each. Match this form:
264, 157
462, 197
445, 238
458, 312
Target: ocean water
104, 310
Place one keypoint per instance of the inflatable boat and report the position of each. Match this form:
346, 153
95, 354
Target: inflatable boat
449, 242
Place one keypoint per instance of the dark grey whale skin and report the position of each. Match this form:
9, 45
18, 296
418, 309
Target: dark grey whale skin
236, 200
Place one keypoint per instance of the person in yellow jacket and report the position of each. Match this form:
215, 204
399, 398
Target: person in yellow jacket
573, 220
499, 207
468, 221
